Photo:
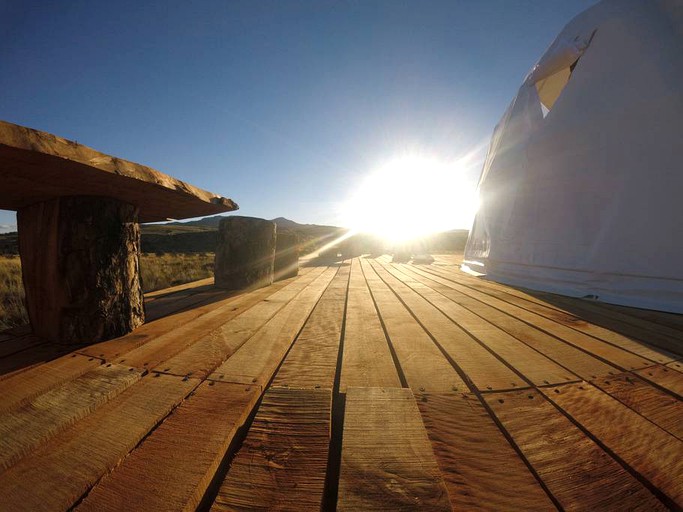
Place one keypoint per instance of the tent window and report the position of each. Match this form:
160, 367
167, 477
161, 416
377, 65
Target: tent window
550, 88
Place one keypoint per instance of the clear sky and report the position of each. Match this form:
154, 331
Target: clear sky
282, 105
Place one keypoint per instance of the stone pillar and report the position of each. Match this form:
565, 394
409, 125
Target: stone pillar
245, 253
80, 260
286, 256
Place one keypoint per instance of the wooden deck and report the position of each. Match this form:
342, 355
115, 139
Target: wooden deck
364, 385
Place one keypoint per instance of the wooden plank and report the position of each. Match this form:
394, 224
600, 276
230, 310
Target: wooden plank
312, 360
37, 166
258, 306
193, 286
200, 320
366, 360
671, 320
24, 386
649, 450
481, 469
536, 367
28, 426
173, 467
422, 363
578, 473
576, 361
484, 370
664, 377
659, 407
283, 460
210, 351
32, 358
676, 365
19, 343
57, 474
387, 459
583, 323
614, 355
257, 359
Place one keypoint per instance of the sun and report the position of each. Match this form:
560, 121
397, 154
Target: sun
410, 198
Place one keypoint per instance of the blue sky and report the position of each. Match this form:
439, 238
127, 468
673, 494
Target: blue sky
283, 106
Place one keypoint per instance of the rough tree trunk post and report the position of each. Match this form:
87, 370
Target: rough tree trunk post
286, 256
245, 253
80, 260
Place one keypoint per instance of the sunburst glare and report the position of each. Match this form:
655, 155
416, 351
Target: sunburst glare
412, 197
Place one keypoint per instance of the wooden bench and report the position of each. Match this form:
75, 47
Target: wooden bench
78, 214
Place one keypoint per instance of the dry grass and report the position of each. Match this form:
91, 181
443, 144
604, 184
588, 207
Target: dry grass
158, 271
164, 270
12, 311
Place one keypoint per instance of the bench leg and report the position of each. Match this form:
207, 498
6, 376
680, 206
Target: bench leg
80, 261
245, 253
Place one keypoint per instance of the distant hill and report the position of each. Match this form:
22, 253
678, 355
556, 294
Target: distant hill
200, 235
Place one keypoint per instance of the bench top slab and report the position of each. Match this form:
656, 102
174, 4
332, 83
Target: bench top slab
36, 166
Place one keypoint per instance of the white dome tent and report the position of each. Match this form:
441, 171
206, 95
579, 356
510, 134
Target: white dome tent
582, 190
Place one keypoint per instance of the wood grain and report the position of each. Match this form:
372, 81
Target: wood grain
257, 359
312, 360
31, 424
651, 451
481, 469
387, 459
216, 329
610, 353
659, 407
483, 368
57, 474
579, 474
173, 467
665, 377
367, 359
24, 386
37, 166
424, 366
282, 463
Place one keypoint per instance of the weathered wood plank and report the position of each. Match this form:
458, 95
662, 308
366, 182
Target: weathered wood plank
387, 459
257, 359
536, 367
38, 166
247, 311
181, 328
647, 326
17, 344
367, 359
205, 355
312, 360
481, 469
579, 474
651, 451
57, 474
28, 426
173, 467
676, 365
283, 460
32, 358
24, 386
665, 377
172, 291
659, 407
610, 353
424, 366
484, 370
582, 323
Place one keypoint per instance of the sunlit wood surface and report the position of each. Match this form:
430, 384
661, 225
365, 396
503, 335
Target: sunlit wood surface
360, 385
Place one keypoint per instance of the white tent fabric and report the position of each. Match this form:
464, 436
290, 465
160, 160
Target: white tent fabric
585, 196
